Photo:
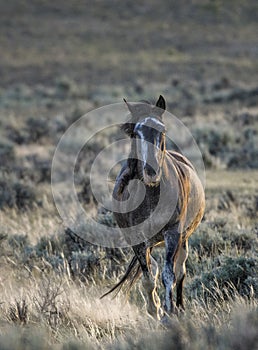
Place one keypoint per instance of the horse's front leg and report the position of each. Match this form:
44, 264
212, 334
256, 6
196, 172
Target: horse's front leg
149, 278
180, 271
172, 241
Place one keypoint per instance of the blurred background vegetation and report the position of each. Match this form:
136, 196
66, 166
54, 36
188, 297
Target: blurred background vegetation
61, 59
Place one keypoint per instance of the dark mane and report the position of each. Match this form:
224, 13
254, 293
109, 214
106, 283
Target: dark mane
179, 157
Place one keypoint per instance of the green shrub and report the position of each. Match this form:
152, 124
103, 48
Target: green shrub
25, 195
86, 264
6, 153
217, 140
207, 241
14, 193
37, 128
66, 86
234, 274
7, 194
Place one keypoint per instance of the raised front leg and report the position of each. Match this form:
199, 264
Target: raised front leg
172, 242
150, 273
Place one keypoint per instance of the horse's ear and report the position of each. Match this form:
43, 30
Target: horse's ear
128, 127
161, 103
129, 106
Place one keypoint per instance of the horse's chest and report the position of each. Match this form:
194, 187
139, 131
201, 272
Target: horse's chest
148, 204
142, 202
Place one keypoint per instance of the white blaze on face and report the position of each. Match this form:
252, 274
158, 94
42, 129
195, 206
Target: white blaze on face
145, 144
144, 147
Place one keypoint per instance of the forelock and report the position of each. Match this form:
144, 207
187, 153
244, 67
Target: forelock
151, 122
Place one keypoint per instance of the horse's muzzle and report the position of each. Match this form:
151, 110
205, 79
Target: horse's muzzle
151, 180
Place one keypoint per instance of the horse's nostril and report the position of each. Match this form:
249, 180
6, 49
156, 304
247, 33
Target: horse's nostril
149, 170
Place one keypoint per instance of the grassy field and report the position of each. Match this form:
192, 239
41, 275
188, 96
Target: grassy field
60, 60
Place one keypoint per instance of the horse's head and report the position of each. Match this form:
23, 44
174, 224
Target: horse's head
147, 131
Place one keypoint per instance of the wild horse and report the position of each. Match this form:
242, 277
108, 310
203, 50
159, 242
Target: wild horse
170, 183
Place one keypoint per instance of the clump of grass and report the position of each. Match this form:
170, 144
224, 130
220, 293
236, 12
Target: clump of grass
18, 313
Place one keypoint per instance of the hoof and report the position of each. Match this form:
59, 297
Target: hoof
180, 310
166, 321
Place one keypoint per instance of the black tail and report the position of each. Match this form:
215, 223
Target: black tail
131, 275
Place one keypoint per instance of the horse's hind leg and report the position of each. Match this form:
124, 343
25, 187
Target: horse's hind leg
143, 256
154, 268
172, 241
180, 271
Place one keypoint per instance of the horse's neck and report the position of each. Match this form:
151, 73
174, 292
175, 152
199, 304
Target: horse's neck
138, 173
